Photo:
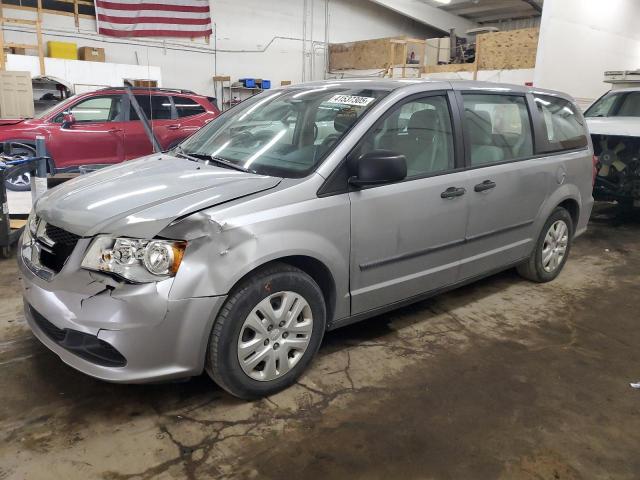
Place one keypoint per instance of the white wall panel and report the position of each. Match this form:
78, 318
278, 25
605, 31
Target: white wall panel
581, 39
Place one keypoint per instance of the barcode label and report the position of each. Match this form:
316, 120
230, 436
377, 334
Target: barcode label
351, 100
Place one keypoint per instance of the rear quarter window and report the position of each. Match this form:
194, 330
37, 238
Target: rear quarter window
563, 125
186, 107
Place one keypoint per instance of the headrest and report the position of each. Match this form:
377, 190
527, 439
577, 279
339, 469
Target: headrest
479, 126
344, 119
423, 122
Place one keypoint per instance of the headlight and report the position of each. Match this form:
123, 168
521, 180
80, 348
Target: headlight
32, 223
134, 259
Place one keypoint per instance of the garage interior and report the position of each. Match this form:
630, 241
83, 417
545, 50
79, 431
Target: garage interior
498, 379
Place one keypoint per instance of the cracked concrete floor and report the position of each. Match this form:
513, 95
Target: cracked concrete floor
503, 379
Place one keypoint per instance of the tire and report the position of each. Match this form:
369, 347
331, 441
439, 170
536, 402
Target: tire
20, 184
246, 327
535, 268
23, 182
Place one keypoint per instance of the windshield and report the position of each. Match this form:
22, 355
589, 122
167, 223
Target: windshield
283, 133
623, 104
49, 110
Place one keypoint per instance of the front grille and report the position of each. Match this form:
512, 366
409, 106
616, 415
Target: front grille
61, 236
54, 257
84, 345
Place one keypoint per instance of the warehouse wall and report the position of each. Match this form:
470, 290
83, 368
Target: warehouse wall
581, 39
253, 38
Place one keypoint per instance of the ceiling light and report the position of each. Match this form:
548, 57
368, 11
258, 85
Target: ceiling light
443, 1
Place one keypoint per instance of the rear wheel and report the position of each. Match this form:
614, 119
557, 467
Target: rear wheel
267, 332
551, 250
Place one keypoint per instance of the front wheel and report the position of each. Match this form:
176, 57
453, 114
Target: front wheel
551, 250
267, 332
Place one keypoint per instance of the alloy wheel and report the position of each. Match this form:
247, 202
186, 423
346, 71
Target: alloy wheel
22, 180
555, 245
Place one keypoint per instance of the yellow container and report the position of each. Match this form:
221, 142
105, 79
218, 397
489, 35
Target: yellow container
66, 50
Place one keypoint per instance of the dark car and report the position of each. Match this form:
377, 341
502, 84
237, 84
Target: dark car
102, 127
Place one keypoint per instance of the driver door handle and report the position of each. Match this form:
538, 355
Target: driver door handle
484, 186
173, 127
453, 192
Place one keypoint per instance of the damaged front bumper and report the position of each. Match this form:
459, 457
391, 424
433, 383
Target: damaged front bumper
117, 331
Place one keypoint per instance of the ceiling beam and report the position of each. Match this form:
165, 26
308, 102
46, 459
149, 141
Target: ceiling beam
487, 7
515, 15
431, 16
519, 12
535, 5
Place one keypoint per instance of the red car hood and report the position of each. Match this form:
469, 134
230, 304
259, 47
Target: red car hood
11, 121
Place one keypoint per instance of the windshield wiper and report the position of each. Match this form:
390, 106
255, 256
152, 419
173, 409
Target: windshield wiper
226, 163
199, 157
178, 151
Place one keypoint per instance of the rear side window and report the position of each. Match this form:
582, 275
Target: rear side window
187, 107
564, 127
498, 128
155, 107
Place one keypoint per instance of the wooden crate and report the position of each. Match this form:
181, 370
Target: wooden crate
510, 50
376, 53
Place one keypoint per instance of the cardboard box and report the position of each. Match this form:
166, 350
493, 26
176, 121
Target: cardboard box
66, 50
91, 54
18, 50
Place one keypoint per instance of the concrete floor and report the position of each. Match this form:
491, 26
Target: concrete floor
503, 379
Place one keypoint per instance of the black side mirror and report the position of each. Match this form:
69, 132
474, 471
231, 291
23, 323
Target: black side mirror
379, 166
68, 120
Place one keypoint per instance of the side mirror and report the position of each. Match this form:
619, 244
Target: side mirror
67, 120
379, 166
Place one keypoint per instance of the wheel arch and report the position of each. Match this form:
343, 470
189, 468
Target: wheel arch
573, 207
316, 269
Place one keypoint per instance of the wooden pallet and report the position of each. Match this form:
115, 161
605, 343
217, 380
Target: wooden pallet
39, 46
16, 223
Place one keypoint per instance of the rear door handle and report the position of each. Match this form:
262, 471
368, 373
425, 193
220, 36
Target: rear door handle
173, 127
486, 185
453, 192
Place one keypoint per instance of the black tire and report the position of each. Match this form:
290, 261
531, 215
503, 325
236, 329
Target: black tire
222, 361
533, 268
20, 151
18, 187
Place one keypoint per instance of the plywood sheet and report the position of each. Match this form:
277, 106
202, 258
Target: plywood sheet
512, 49
451, 67
378, 53
359, 55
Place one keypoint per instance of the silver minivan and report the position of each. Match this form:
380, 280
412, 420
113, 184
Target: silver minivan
301, 210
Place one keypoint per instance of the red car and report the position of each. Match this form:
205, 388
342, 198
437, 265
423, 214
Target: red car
102, 127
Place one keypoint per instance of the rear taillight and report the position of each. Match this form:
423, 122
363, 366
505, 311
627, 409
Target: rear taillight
595, 170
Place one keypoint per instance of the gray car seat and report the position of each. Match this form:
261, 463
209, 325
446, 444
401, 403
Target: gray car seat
480, 130
427, 148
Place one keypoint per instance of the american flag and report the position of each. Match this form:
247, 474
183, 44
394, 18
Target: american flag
153, 18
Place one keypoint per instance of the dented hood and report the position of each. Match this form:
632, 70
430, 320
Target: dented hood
139, 198
11, 121
623, 126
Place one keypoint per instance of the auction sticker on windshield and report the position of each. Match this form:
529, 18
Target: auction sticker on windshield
351, 100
